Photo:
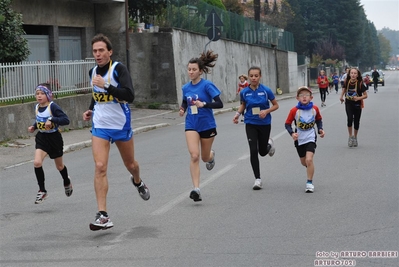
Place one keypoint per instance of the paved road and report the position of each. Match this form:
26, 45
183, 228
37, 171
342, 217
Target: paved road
354, 207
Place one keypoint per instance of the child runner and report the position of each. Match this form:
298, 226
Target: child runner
335, 82
355, 92
49, 139
305, 115
243, 83
200, 96
255, 101
322, 81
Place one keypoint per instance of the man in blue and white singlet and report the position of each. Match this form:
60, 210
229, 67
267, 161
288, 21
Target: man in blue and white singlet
111, 123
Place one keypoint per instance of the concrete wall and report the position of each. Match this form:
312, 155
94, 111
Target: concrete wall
152, 67
159, 65
17, 118
102, 17
56, 12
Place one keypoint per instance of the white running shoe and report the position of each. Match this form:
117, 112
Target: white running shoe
354, 141
209, 165
350, 141
257, 184
196, 195
101, 223
143, 190
309, 188
272, 148
40, 197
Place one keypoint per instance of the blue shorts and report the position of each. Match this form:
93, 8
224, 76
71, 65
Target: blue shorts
112, 135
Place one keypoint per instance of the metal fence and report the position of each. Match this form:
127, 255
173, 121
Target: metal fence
19, 80
192, 14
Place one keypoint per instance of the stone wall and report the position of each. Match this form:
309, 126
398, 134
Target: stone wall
159, 65
16, 119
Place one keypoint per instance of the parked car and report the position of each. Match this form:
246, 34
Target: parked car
381, 79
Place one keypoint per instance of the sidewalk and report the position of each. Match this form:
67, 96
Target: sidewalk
21, 151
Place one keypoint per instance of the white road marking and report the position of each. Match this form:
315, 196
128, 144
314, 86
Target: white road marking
183, 196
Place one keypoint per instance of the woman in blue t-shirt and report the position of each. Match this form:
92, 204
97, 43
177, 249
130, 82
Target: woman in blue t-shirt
199, 98
255, 102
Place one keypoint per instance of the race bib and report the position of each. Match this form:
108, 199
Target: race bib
256, 111
194, 109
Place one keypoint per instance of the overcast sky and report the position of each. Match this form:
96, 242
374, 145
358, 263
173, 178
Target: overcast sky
383, 13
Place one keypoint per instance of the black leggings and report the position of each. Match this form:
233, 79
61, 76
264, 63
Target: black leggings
353, 112
258, 140
375, 84
323, 92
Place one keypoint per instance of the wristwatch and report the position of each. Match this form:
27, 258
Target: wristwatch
106, 85
49, 118
204, 103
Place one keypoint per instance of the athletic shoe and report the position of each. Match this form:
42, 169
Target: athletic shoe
196, 195
354, 141
309, 188
257, 184
68, 189
40, 197
350, 141
101, 223
143, 189
209, 165
272, 149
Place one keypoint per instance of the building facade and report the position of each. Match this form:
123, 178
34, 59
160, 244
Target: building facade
62, 29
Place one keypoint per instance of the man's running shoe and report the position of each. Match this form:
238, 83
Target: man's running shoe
101, 223
68, 189
196, 195
142, 189
272, 149
309, 188
350, 141
211, 164
40, 197
354, 141
257, 184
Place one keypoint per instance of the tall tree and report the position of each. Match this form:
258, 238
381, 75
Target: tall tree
393, 37
233, 6
146, 10
375, 52
297, 27
370, 53
386, 49
313, 14
13, 47
279, 15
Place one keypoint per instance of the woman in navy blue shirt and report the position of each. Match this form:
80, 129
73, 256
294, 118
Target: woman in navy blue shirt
255, 102
199, 98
